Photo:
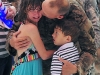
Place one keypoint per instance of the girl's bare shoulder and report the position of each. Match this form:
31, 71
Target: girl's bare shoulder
31, 26
28, 27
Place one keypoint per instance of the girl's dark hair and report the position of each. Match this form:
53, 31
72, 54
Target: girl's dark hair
11, 0
24, 6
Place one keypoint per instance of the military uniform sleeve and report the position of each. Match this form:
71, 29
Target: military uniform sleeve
86, 38
92, 12
88, 49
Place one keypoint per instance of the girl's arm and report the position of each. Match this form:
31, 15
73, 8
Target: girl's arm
33, 33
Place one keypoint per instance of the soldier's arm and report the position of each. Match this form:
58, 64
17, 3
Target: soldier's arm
86, 59
92, 12
87, 45
86, 39
88, 48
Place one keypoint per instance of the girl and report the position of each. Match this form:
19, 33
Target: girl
29, 61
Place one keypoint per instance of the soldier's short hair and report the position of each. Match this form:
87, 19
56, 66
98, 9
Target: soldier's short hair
62, 5
69, 27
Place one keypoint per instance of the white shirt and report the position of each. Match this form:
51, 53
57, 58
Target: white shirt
68, 52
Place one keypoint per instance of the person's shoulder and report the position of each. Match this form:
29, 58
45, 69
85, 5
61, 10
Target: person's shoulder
31, 26
28, 27
76, 3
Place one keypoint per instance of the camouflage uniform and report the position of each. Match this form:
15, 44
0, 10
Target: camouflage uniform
91, 9
86, 38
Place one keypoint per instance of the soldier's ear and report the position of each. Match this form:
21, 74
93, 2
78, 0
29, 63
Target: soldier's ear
60, 17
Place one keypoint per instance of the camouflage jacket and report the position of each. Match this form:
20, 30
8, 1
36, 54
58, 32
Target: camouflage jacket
91, 9
86, 39
93, 13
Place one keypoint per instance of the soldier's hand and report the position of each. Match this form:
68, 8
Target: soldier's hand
68, 68
19, 42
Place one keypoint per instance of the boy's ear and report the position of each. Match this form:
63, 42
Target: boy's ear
60, 17
68, 38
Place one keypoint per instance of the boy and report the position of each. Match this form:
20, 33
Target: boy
65, 34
